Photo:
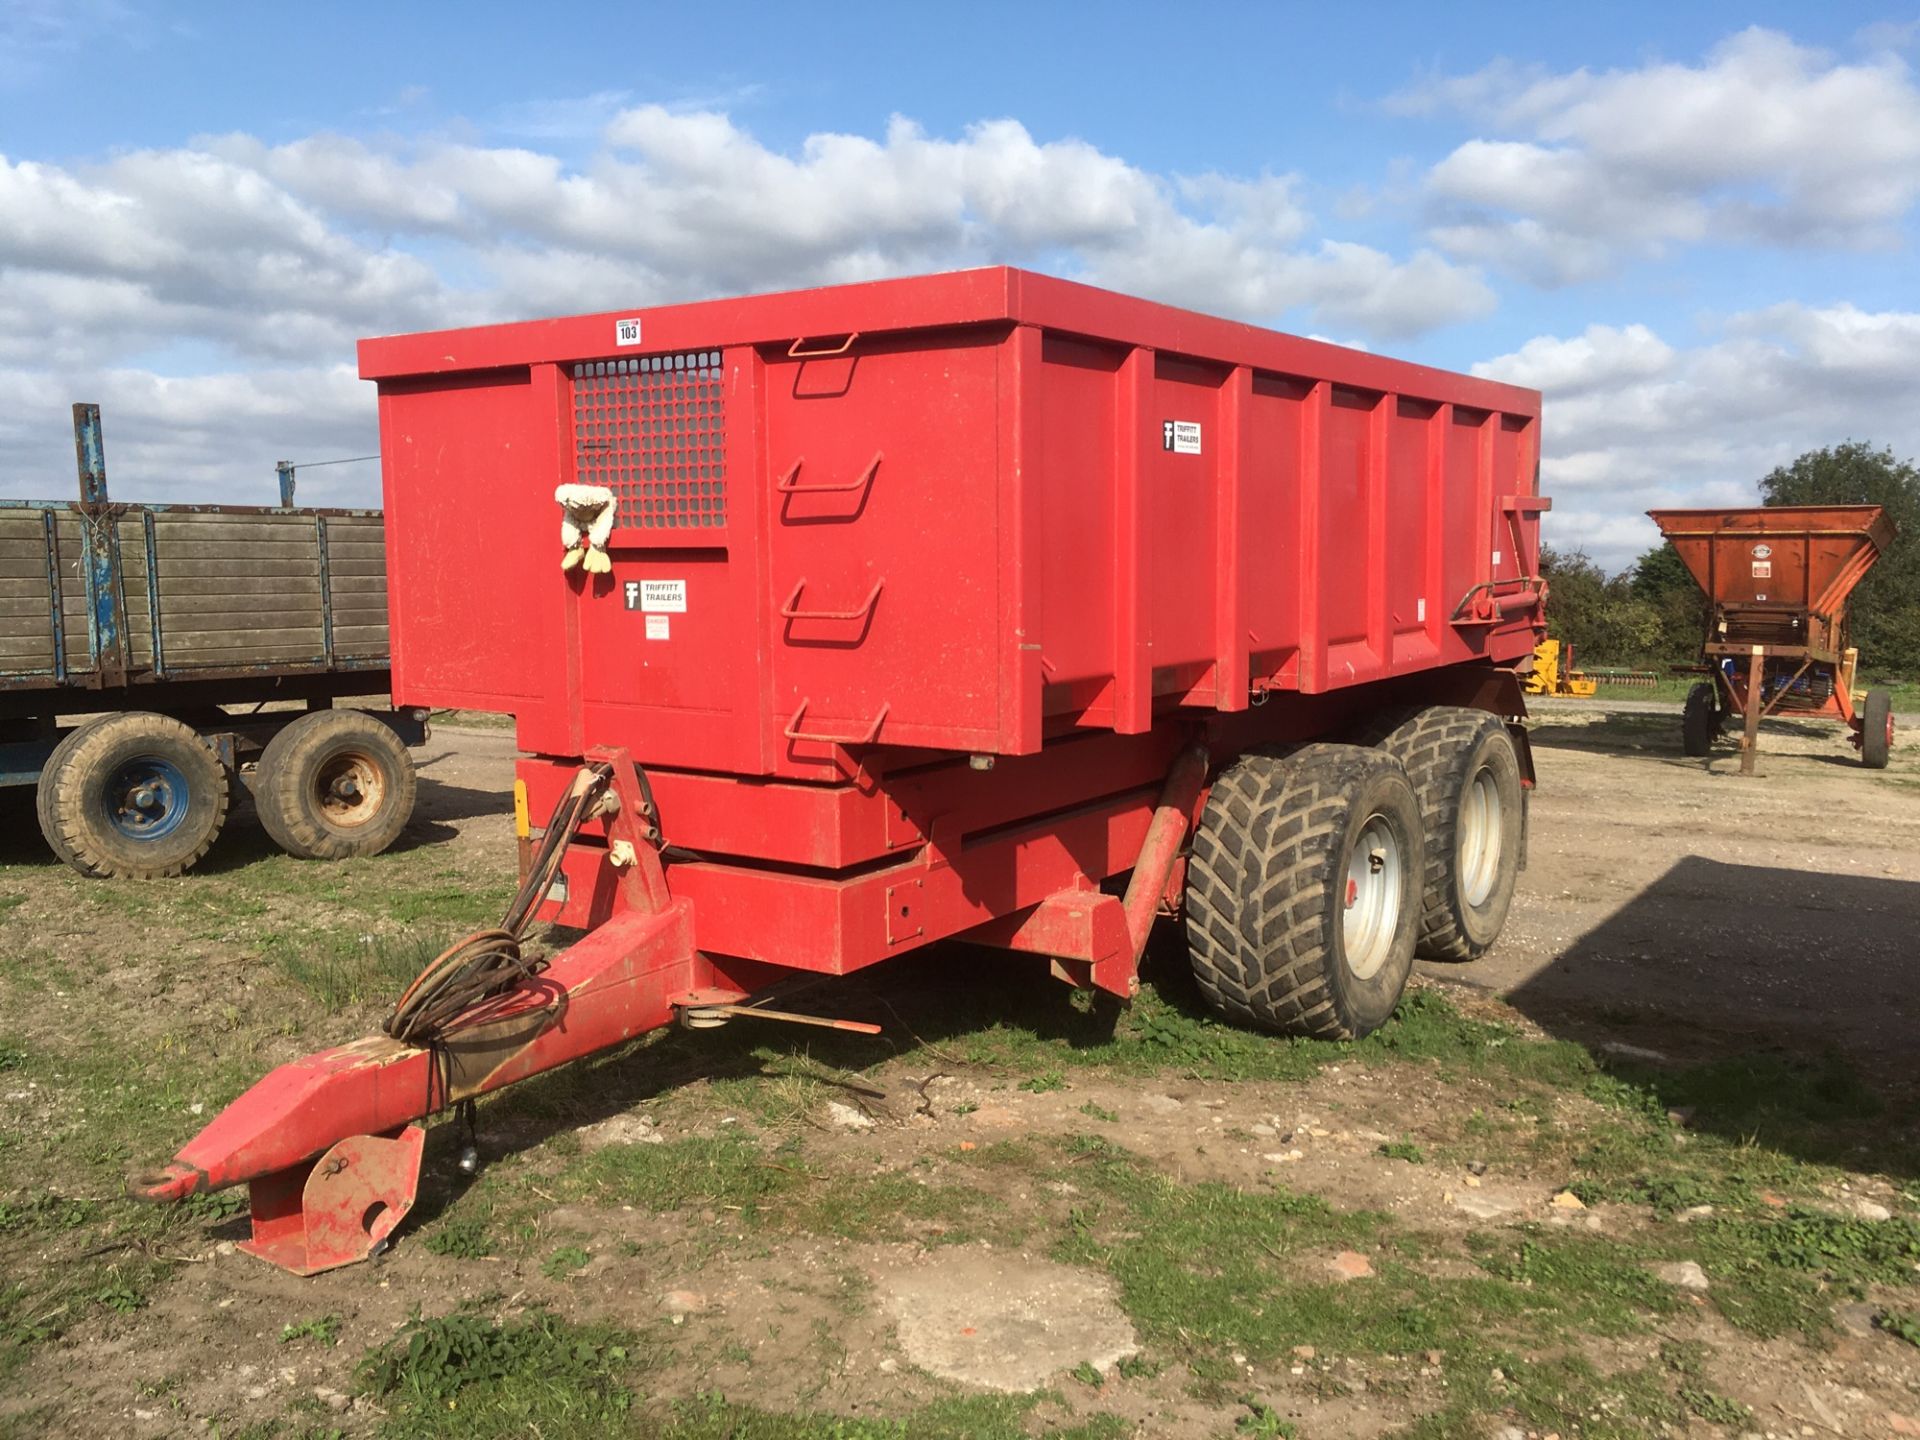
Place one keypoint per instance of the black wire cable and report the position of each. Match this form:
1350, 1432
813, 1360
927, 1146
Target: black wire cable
455, 990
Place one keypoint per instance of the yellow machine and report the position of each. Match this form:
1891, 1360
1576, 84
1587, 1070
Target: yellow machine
1553, 673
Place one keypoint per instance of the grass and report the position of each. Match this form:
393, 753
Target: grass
464, 1374
463, 1236
115, 1106
564, 1262
1673, 688
697, 1171
1901, 1324
348, 971
972, 1417
779, 1190
1715, 1408
322, 1328
1205, 1270
472, 720
1261, 1419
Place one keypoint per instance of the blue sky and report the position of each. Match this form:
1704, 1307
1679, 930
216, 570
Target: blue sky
1692, 226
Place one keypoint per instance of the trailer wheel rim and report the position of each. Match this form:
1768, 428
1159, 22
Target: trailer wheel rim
349, 789
146, 798
1373, 898
1481, 834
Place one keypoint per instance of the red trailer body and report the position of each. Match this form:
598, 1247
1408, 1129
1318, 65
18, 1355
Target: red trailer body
919, 608
957, 513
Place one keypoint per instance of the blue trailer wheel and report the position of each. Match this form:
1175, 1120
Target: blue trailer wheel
134, 795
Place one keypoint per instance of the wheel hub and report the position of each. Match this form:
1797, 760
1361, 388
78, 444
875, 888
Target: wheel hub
146, 798
1373, 894
349, 789
1482, 834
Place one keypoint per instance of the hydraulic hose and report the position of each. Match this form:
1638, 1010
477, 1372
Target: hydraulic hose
459, 988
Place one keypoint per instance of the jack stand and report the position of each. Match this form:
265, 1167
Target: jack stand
340, 1207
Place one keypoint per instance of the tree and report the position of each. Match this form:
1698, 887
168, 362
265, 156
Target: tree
1662, 581
1576, 590
1660, 572
1599, 615
1885, 609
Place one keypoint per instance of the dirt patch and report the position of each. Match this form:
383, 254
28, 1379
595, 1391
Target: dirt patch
1003, 1322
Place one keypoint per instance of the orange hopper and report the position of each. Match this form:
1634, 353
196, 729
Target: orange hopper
1778, 578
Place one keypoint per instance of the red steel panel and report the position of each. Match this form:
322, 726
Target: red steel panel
837, 924
835, 827
950, 514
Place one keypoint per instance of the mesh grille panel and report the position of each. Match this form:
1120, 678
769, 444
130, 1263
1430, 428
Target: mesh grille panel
651, 430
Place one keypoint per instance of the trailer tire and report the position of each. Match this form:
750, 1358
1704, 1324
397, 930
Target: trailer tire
132, 796
1466, 773
1700, 720
334, 784
1876, 730
1276, 878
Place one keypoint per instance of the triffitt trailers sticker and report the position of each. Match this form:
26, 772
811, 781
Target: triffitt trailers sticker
1182, 437
657, 597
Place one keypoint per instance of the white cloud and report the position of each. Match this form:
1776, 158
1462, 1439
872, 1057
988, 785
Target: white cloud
207, 438
1763, 142
1631, 422
188, 245
239, 258
687, 203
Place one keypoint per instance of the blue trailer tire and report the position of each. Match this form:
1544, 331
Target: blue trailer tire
132, 796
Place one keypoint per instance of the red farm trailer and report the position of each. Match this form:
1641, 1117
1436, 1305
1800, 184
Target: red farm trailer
1777, 578
980, 605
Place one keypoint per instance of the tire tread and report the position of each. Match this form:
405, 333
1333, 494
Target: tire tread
61, 796
279, 787
1257, 889
1429, 743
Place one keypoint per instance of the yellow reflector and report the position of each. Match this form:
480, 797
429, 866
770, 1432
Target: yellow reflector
522, 826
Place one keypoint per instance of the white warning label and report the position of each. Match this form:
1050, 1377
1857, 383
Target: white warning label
1763, 569
659, 627
1182, 437
657, 597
